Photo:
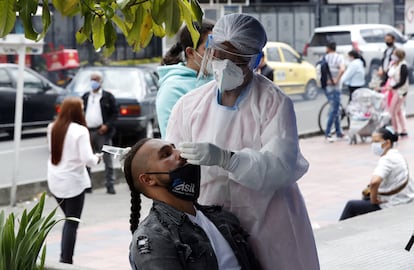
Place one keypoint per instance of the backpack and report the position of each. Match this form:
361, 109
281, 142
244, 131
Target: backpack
324, 74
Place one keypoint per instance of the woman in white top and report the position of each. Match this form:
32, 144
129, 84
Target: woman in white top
354, 75
70, 151
390, 182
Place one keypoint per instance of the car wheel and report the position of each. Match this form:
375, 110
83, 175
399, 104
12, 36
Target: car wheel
311, 90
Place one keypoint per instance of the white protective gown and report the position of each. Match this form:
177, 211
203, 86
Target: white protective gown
261, 188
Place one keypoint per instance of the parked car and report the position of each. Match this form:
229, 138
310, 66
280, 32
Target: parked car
135, 89
367, 38
291, 72
39, 98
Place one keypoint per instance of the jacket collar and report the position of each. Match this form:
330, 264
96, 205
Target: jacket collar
168, 213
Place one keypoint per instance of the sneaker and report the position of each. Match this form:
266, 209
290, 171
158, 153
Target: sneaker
329, 139
342, 137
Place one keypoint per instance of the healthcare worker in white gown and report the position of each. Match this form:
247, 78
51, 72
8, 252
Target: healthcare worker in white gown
242, 127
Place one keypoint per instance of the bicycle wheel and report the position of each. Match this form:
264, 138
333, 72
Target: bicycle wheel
323, 118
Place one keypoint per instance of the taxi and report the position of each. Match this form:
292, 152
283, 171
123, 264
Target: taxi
290, 72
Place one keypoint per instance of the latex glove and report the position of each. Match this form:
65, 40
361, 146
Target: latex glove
204, 154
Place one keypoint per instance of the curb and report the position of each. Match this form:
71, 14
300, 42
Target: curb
29, 191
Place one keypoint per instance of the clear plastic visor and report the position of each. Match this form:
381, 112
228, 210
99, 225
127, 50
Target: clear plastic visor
215, 52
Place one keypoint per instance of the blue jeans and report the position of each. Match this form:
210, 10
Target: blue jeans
334, 98
358, 207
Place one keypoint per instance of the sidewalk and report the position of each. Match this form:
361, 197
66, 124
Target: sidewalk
338, 172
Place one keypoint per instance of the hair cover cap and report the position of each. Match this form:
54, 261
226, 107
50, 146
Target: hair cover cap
243, 31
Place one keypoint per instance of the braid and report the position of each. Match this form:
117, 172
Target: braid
135, 210
135, 193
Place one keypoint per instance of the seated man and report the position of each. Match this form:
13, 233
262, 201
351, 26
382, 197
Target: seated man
178, 233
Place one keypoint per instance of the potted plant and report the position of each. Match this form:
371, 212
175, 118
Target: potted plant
22, 240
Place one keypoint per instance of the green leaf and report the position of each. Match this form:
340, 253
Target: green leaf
158, 12
158, 30
7, 17
98, 32
80, 36
110, 37
67, 7
27, 10
134, 33
45, 19
123, 26
189, 19
196, 11
173, 21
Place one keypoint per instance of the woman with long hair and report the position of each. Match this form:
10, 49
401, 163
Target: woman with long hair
67, 177
354, 75
396, 83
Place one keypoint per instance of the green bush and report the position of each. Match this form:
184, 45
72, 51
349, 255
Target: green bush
22, 241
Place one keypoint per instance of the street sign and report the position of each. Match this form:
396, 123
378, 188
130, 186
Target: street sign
10, 44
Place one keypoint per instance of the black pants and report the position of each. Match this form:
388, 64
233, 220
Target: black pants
352, 89
72, 207
358, 207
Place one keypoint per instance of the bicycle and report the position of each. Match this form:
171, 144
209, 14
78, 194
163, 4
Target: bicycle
324, 113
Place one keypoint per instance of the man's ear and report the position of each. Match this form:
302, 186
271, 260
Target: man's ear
146, 179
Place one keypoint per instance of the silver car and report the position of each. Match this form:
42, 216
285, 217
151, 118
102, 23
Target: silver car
135, 89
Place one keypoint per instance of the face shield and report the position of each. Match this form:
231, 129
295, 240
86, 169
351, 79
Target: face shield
216, 51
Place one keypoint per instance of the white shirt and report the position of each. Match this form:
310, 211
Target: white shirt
69, 177
226, 259
260, 186
392, 168
93, 114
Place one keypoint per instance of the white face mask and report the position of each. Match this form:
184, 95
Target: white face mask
377, 148
394, 58
227, 74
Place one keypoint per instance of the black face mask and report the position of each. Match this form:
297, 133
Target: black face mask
185, 182
389, 44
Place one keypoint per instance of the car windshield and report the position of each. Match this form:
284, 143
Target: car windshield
340, 38
121, 82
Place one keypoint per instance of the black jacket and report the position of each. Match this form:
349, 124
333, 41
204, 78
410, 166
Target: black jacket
167, 239
108, 108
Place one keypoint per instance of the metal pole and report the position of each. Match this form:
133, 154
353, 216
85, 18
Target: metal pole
18, 121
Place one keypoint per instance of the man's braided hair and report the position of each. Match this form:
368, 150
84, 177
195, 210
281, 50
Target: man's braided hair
135, 194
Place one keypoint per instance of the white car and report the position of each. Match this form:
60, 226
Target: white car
367, 38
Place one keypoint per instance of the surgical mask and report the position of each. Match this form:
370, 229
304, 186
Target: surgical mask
394, 58
185, 182
377, 148
95, 85
195, 62
389, 44
227, 74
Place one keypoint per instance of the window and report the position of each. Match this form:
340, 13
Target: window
5, 79
373, 35
273, 54
322, 39
289, 56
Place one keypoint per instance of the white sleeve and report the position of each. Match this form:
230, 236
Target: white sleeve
86, 154
279, 162
174, 134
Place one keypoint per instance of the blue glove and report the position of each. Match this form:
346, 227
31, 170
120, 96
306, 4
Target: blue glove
204, 154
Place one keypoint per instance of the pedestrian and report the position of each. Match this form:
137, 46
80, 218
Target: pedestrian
389, 40
179, 70
178, 233
336, 65
242, 127
390, 184
100, 114
265, 70
70, 151
354, 75
396, 82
